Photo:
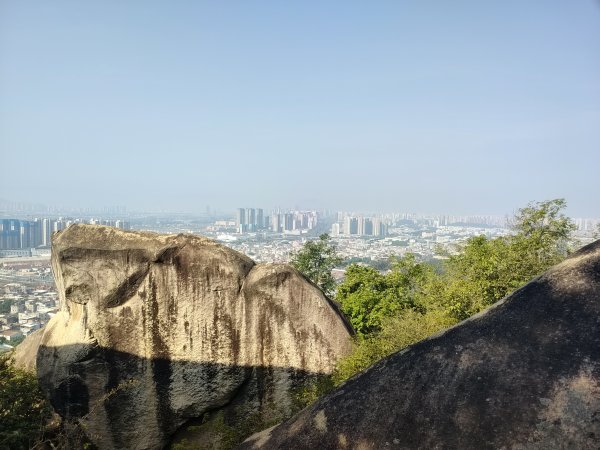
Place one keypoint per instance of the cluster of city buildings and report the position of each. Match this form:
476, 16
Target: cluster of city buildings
359, 226
253, 219
293, 221
587, 225
18, 234
28, 298
250, 219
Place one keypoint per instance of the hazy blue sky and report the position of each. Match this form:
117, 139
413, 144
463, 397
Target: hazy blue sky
431, 106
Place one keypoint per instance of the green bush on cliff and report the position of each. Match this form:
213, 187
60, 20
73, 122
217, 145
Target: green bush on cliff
23, 408
397, 333
487, 270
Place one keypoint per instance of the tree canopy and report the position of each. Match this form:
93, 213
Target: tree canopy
23, 407
486, 270
316, 259
367, 296
415, 299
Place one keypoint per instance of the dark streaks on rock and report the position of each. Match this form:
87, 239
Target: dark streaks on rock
157, 330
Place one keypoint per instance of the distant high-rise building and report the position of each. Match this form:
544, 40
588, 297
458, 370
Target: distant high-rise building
251, 218
241, 217
376, 226
350, 225
360, 226
35, 233
46, 231
288, 222
367, 226
260, 221
10, 237
335, 229
276, 223
346, 228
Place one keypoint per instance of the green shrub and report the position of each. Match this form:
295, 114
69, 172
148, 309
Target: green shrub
24, 410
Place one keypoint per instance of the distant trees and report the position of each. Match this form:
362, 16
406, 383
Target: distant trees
415, 299
5, 306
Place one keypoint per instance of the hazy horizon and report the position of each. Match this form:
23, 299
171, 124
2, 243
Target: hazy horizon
462, 108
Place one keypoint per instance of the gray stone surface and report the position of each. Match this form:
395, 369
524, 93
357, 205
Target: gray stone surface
524, 374
155, 330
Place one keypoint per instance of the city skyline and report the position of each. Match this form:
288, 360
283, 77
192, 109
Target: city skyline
465, 108
10, 210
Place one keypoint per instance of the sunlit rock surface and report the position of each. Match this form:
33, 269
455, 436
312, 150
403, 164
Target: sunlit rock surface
155, 330
522, 375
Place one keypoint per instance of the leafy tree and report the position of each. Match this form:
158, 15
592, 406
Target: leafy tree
477, 277
543, 233
23, 407
368, 297
487, 270
316, 259
416, 300
364, 297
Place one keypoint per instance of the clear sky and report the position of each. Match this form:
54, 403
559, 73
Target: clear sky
428, 106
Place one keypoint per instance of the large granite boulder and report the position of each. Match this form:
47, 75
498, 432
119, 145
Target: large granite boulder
525, 374
156, 330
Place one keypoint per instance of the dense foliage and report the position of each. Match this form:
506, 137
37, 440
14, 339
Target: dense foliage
23, 408
486, 270
368, 297
416, 299
316, 259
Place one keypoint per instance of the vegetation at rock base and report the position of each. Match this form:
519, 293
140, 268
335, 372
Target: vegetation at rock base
397, 333
316, 259
214, 432
415, 299
23, 408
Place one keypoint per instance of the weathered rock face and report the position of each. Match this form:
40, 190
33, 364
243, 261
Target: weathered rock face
155, 330
522, 375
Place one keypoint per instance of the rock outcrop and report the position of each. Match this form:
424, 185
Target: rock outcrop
156, 330
524, 374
